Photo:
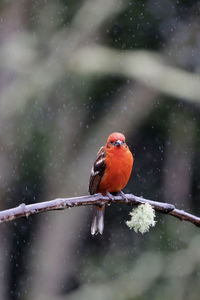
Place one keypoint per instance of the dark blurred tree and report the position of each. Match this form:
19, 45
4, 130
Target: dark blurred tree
53, 120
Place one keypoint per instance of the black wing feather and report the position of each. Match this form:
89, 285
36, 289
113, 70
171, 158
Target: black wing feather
97, 171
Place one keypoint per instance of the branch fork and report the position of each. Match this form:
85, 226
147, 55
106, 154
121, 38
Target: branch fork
24, 210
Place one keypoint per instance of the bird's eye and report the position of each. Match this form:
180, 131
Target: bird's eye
111, 142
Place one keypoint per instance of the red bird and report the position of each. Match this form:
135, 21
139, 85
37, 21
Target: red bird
110, 174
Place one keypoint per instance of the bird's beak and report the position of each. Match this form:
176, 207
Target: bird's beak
118, 143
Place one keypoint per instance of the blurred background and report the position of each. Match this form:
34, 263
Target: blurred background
71, 72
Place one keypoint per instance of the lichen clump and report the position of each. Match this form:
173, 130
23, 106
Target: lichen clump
142, 218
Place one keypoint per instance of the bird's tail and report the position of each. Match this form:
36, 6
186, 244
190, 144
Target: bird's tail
98, 220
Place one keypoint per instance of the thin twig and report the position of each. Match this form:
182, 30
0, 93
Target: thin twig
24, 210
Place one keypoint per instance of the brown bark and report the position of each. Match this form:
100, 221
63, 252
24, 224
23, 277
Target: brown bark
24, 210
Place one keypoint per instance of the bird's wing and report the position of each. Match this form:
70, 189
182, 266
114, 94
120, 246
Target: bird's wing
97, 171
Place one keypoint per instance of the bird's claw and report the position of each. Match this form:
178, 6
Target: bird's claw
123, 196
110, 196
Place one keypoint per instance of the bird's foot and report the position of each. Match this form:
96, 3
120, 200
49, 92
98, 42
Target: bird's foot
110, 196
123, 196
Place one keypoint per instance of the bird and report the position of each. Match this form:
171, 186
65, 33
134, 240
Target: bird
110, 173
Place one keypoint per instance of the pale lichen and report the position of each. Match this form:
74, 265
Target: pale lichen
142, 218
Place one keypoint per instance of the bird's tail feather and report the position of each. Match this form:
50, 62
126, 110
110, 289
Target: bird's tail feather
98, 220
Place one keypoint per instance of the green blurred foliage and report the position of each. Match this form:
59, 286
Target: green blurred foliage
52, 122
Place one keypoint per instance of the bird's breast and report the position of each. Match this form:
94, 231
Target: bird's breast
118, 170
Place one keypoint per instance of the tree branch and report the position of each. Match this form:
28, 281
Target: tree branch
24, 210
145, 66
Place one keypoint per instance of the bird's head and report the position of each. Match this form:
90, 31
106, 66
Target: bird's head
116, 139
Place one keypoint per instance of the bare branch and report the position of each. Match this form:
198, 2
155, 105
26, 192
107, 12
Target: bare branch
24, 210
146, 67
